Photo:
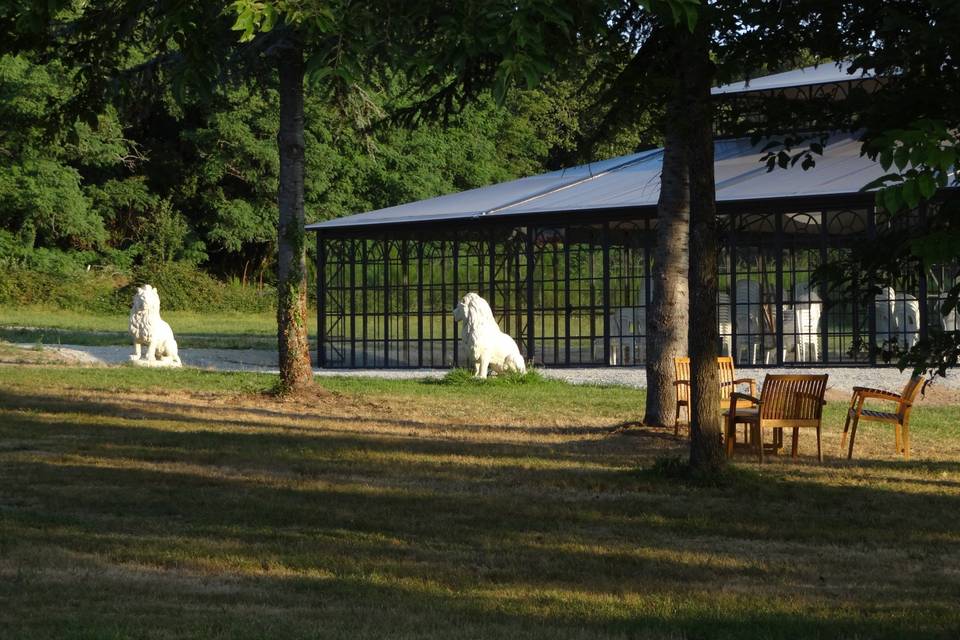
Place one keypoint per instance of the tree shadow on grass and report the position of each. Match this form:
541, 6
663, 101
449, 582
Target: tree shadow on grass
357, 605
491, 547
506, 475
148, 409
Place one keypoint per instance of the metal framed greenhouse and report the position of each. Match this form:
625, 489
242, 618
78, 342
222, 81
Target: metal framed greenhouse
564, 259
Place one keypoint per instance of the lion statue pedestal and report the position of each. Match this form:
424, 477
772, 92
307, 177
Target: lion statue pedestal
151, 331
483, 342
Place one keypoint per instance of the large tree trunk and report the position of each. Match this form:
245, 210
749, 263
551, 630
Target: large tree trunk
706, 453
295, 370
667, 315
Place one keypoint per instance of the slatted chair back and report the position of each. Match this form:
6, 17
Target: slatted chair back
910, 391
681, 369
727, 375
792, 400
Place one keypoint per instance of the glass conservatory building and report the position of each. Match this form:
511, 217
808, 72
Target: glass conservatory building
564, 259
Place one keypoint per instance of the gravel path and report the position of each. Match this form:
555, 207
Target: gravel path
264, 361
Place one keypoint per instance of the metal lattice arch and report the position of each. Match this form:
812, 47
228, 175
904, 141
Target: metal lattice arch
564, 259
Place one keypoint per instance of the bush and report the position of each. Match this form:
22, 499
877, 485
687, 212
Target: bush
17, 253
105, 290
183, 287
80, 290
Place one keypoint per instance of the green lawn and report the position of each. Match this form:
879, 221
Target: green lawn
29, 324
188, 504
193, 330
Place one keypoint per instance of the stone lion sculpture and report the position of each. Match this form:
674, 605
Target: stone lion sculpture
150, 330
485, 345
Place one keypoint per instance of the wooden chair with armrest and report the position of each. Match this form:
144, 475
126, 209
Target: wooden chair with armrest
785, 402
900, 419
728, 384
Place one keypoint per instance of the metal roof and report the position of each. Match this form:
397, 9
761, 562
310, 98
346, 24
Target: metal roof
633, 181
825, 73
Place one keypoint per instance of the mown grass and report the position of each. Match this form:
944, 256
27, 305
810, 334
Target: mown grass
175, 504
39, 324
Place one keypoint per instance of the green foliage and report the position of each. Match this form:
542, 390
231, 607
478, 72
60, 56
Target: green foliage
197, 182
183, 287
47, 196
64, 288
910, 125
43, 180
925, 156
682, 12
62, 280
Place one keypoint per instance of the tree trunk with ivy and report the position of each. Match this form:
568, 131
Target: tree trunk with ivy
294, 348
667, 316
706, 452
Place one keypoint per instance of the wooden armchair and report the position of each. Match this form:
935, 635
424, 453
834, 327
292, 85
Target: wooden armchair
785, 402
900, 419
728, 384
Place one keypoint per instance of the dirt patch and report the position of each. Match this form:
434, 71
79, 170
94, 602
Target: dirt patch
19, 354
311, 397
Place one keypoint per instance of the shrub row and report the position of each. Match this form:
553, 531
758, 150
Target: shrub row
182, 287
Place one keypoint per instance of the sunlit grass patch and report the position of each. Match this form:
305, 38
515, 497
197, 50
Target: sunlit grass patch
464, 377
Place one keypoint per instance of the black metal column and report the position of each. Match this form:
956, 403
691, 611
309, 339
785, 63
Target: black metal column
386, 303
732, 250
530, 270
922, 283
456, 297
420, 304
492, 267
321, 301
353, 303
606, 292
827, 302
366, 287
778, 261
444, 309
871, 301
568, 308
404, 311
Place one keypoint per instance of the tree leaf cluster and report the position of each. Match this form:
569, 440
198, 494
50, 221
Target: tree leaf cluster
196, 181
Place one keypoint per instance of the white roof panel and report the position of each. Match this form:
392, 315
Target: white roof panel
634, 181
825, 73
485, 200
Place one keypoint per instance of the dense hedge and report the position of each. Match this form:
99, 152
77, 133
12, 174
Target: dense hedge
182, 287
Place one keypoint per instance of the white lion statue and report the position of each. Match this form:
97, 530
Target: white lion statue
485, 345
150, 330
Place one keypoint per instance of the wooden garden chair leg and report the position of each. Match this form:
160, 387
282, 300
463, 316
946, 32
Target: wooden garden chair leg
796, 439
853, 434
757, 436
846, 428
731, 434
819, 448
